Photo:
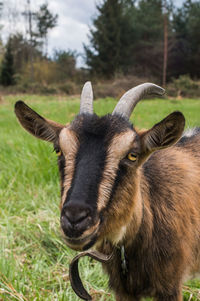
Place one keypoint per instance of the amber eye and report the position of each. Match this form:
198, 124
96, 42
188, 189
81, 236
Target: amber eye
132, 156
59, 153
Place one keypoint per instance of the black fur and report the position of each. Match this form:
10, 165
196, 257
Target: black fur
94, 134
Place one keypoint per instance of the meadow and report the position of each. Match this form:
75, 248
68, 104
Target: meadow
33, 256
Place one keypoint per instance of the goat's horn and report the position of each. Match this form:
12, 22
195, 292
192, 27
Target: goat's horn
129, 100
86, 105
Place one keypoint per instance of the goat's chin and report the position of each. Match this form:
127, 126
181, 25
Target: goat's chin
85, 241
81, 244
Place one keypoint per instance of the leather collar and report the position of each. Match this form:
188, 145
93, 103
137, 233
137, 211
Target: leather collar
74, 277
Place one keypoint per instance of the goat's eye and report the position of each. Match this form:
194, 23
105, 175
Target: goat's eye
132, 157
59, 153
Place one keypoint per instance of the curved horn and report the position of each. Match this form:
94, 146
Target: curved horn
86, 105
129, 100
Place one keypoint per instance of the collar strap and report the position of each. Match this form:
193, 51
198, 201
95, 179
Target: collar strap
74, 277
124, 265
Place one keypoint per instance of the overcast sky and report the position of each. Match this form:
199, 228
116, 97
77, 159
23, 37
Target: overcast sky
75, 17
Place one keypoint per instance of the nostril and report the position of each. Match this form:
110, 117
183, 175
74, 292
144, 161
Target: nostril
65, 222
78, 217
75, 219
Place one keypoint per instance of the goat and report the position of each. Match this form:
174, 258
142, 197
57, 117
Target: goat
130, 190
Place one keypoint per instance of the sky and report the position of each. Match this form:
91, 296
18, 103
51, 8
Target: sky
72, 30
75, 19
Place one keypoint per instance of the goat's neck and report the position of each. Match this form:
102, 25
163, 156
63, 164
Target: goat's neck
134, 209
141, 214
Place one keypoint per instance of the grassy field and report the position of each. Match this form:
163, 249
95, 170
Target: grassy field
33, 257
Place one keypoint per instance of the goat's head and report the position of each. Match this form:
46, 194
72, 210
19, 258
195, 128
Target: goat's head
99, 158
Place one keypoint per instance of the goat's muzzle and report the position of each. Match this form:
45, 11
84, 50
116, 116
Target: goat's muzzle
78, 225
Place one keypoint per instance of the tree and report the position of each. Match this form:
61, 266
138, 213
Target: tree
38, 24
66, 64
7, 69
151, 26
131, 38
110, 40
148, 49
186, 24
45, 21
21, 48
1, 9
29, 14
167, 8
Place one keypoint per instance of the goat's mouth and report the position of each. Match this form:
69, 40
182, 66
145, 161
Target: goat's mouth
85, 241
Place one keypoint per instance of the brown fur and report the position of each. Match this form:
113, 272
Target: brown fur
116, 152
69, 144
162, 246
154, 209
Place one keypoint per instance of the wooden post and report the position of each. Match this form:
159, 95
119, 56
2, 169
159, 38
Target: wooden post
165, 50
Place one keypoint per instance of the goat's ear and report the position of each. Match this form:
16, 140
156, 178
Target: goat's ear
163, 134
35, 124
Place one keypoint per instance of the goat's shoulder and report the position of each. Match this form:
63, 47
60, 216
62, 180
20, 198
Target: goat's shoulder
171, 177
176, 161
190, 141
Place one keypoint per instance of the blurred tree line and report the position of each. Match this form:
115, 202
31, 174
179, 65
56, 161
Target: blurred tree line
144, 38
24, 60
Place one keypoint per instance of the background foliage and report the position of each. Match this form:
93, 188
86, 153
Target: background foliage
149, 40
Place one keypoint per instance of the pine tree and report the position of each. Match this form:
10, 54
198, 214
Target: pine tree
148, 50
7, 69
186, 23
167, 9
110, 40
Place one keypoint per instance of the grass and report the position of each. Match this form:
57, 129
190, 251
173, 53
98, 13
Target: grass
33, 257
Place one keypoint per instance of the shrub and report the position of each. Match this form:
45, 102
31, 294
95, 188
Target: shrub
184, 86
116, 87
68, 88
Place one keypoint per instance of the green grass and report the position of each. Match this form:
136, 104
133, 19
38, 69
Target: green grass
33, 257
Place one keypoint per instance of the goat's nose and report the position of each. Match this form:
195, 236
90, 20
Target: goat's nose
75, 219
76, 215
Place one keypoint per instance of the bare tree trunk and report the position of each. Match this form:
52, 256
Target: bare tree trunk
31, 39
165, 49
46, 45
